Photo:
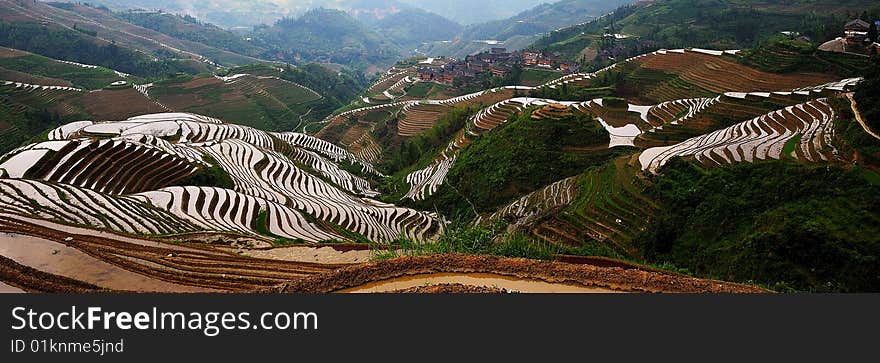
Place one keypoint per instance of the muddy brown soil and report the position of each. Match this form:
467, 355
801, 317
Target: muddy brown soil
610, 262
612, 278
58, 259
510, 283
33, 280
193, 265
223, 270
451, 289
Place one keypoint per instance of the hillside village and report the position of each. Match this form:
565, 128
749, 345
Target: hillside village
858, 36
497, 62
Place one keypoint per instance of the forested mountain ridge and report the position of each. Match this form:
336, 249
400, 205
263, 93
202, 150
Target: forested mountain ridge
719, 24
329, 36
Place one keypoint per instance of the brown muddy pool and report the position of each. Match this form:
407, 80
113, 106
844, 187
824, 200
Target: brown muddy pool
475, 279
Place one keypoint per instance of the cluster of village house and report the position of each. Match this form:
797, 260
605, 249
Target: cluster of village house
856, 33
498, 62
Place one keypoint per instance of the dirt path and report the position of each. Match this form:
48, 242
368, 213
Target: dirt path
859, 118
366, 276
478, 280
310, 254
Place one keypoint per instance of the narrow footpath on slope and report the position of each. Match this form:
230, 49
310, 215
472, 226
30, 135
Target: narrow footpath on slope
859, 118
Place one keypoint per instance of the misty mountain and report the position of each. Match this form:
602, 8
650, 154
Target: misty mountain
543, 18
474, 12
238, 13
189, 28
327, 35
411, 28
364, 33
521, 30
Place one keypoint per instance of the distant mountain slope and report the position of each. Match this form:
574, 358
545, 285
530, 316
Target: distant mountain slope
38, 93
543, 18
474, 12
719, 24
189, 28
367, 25
331, 36
101, 24
226, 13
407, 25
522, 29
230, 13
72, 45
410, 28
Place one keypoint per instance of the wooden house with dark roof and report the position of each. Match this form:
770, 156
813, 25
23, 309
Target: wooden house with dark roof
856, 31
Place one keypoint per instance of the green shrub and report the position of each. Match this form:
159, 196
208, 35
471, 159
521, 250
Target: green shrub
814, 228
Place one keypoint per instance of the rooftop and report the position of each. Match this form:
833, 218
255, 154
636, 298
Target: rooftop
857, 24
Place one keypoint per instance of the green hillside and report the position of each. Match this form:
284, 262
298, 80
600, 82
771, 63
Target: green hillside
266, 98
716, 24
780, 224
83, 48
76, 76
519, 157
189, 28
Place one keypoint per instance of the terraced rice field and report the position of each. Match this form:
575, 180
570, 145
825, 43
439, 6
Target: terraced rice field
287, 185
418, 118
390, 85
78, 206
667, 75
717, 74
605, 205
713, 72
525, 210
116, 166
42, 256
264, 101
121, 177
607, 208
28, 66
622, 124
426, 181
35, 87
679, 120
20, 97
334, 152
634, 125
760, 138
